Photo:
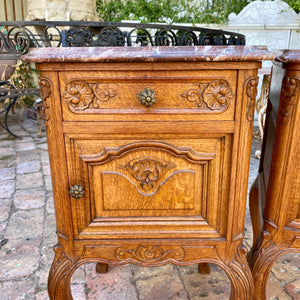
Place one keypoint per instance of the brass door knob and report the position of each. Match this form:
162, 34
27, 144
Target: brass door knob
147, 97
77, 191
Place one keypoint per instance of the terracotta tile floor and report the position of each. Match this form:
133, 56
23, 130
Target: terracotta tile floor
27, 234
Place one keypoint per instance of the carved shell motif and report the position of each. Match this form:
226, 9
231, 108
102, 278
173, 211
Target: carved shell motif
150, 253
148, 173
214, 96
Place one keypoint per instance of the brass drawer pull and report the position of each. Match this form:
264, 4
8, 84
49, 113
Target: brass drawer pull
77, 191
147, 97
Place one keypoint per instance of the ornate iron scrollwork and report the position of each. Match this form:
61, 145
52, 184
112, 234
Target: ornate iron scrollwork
166, 38
20, 36
8, 97
79, 37
188, 38
112, 37
15, 41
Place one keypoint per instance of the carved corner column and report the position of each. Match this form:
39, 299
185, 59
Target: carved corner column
239, 271
248, 82
59, 275
52, 119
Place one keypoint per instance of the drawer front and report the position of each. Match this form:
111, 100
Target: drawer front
195, 95
149, 187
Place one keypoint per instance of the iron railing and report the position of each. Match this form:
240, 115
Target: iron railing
18, 37
8, 98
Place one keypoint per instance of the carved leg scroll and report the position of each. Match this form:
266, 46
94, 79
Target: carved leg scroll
60, 275
263, 261
240, 276
101, 268
204, 268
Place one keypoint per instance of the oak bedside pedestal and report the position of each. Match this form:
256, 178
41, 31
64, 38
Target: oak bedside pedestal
275, 197
149, 151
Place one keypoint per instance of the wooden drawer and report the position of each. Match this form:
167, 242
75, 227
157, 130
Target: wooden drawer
176, 95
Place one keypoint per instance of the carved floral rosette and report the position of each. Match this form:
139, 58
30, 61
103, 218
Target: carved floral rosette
150, 254
214, 96
80, 95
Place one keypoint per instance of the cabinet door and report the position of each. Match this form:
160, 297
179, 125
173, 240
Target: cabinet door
151, 188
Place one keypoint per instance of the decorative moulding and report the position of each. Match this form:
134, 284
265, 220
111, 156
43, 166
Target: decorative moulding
265, 13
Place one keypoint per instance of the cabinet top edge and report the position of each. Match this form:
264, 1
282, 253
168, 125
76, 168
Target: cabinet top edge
149, 54
289, 56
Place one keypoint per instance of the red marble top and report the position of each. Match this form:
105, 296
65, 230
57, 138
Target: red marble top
148, 54
289, 56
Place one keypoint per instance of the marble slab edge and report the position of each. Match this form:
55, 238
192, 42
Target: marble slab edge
289, 56
149, 54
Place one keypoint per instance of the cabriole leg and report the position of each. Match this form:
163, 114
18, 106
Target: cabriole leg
60, 275
240, 276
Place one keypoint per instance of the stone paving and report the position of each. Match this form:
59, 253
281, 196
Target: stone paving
27, 235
